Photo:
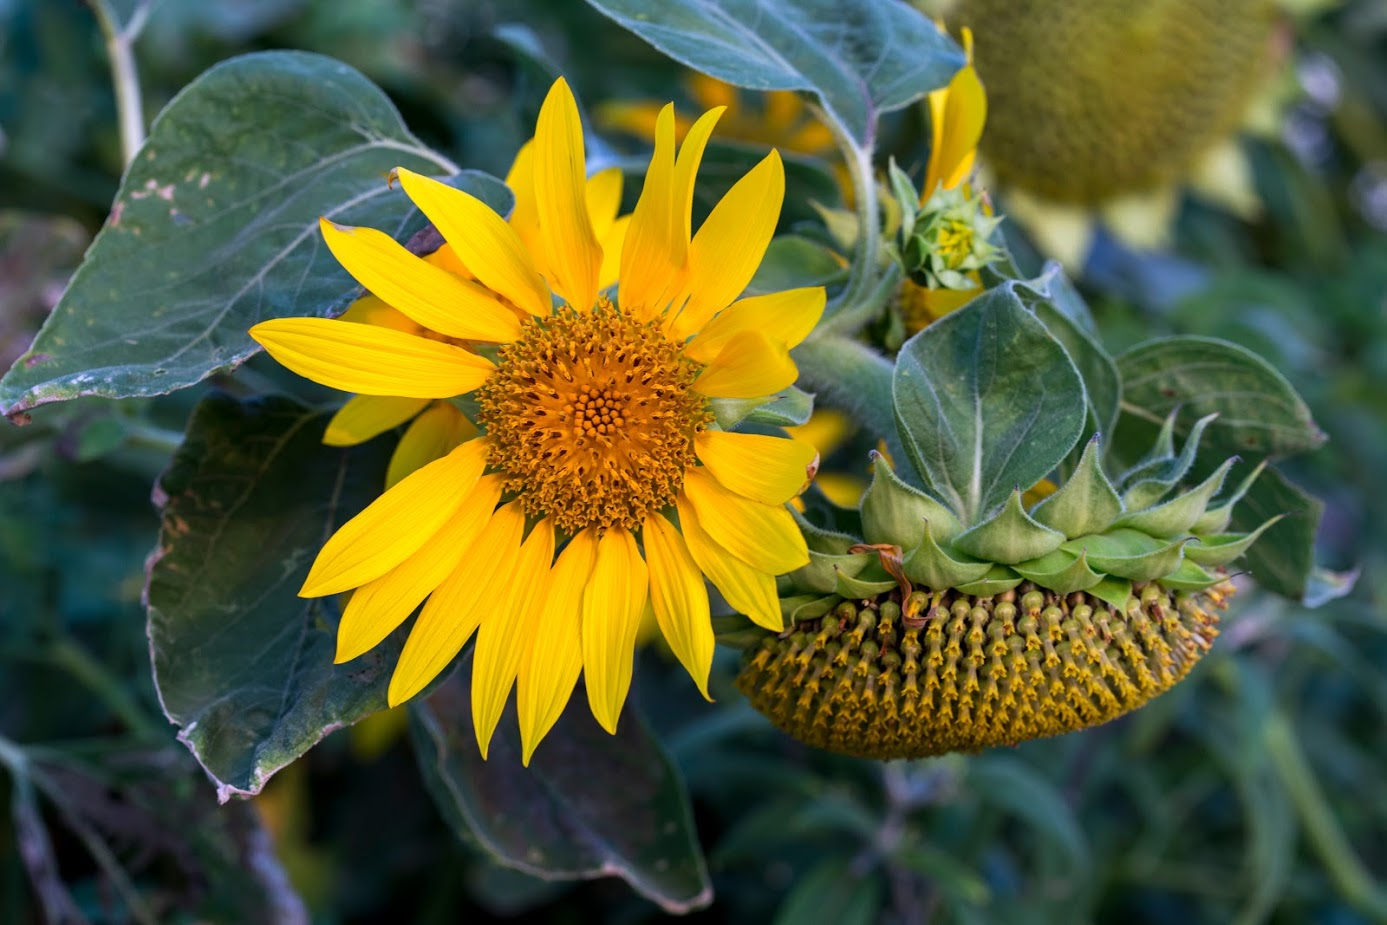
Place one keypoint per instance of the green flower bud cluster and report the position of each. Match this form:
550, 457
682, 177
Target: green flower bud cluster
946, 238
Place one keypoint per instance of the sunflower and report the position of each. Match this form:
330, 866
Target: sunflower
598, 485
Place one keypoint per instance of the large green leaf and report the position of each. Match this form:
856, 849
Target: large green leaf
242, 664
215, 228
1283, 558
987, 401
1260, 414
859, 57
589, 805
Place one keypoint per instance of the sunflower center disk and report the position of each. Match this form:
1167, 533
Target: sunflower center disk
971, 673
592, 418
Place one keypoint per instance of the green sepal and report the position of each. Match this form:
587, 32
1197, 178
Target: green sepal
1010, 536
859, 589
1190, 577
738, 632
1115, 592
998, 579
1131, 554
805, 607
820, 540
1177, 515
894, 512
824, 568
1087, 503
1216, 519
1222, 548
1060, 571
1149, 480
907, 197
930, 565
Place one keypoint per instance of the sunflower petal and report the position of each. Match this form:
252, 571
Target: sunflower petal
728, 248
761, 535
680, 599
785, 318
395, 525
957, 114
369, 359
560, 174
429, 295
501, 638
612, 605
686, 170
749, 591
554, 653
771, 470
367, 416
382, 604
604, 201
481, 239
524, 216
432, 435
748, 366
653, 250
453, 612
613, 240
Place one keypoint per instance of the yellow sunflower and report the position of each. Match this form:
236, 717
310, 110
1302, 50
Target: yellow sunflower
597, 486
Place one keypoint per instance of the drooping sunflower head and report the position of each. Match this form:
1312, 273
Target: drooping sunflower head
1091, 99
928, 634
592, 483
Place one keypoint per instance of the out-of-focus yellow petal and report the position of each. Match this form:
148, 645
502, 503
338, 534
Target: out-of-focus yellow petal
771, 470
434, 298
482, 240
761, 535
432, 435
367, 416
371, 360
604, 200
750, 591
679, 599
457, 607
748, 366
504, 633
554, 654
395, 525
709, 91
729, 245
379, 606
560, 176
524, 216
612, 604
652, 252
370, 309
785, 317
613, 240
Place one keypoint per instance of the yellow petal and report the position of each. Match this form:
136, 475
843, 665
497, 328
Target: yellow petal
771, 470
432, 435
379, 606
679, 599
613, 240
502, 637
554, 653
396, 524
749, 366
612, 605
652, 252
729, 245
481, 239
685, 171
785, 318
761, 535
431, 296
455, 609
371, 360
957, 115
524, 216
709, 91
560, 174
604, 200
750, 591
367, 416
372, 310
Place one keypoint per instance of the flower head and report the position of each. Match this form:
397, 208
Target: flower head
596, 485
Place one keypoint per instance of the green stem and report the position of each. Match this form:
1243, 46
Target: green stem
125, 77
1328, 839
147, 436
861, 280
851, 376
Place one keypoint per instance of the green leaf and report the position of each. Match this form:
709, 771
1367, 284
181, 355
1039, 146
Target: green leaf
1260, 414
215, 228
788, 408
242, 664
833, 892
1283, 559
986, 401
791, 262
859, 58
1013, 785
589, 805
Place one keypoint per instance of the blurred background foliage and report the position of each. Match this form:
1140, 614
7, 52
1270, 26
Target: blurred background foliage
1251, 793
